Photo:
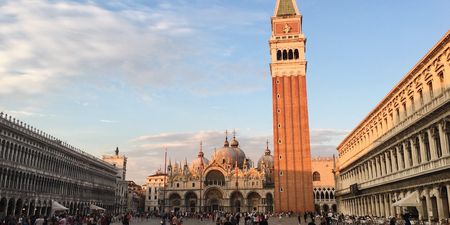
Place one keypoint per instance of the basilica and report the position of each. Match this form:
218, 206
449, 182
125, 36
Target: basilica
226, 182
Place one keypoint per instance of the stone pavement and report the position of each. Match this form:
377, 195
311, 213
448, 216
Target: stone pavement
187, 221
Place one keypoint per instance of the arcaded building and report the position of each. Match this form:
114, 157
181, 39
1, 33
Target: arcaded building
227, 182
293, 181
324, 184
397, 159
37, 169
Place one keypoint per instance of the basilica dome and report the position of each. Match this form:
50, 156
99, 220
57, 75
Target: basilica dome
197, 163
229, 154
266, 159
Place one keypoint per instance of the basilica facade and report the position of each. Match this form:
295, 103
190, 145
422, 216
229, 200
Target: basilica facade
226, 182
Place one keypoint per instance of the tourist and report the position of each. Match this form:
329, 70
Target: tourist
39, 221
392, 221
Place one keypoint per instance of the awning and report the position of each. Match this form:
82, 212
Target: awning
94, 207
410, 200
58, 207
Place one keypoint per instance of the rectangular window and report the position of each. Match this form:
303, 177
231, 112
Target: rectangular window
437, 140
441, 81
426, 143
405, 112
430, 89
421, 97
397, 110
412, 104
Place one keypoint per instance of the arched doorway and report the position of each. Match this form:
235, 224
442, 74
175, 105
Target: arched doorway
3, 207
424, 208
434, 208
253, 200
317, 208
269, 202
190, 202
326, 208
334, 207
444, 198
213, 198
236, 201
11, 205
19, 205
175, 202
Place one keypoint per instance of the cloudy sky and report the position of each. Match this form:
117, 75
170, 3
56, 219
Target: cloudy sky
146, 74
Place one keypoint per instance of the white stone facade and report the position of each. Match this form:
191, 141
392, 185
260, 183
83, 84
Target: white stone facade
153, 189
401, 149
36, 169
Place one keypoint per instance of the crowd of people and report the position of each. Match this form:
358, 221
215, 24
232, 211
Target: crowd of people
217, 218
61, 219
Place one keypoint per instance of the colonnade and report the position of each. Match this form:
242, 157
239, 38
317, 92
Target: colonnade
429, 144
433, 203
10, 206
36, 169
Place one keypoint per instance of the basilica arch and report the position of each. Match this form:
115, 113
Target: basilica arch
253, 201
190, 201
236, 201
175, 201
213, 199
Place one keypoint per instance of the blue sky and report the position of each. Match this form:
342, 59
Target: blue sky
144, 74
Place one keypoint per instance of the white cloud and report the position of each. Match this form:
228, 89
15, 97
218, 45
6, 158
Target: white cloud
108, 121
47, 46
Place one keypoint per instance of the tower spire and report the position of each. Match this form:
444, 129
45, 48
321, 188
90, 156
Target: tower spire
226, 143
286, 8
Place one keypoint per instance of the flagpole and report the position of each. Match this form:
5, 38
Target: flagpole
164, 184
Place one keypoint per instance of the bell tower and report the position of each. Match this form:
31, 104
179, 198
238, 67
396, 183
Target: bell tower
293, 176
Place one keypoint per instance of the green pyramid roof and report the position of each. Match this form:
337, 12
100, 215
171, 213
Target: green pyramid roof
286, 8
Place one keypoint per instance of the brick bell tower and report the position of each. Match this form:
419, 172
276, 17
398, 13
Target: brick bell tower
293, 176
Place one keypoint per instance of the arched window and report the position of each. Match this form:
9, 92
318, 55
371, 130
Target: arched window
291, 54
296, 56
279, 55
316, 176
285, 55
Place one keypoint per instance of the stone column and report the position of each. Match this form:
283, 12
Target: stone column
431, 135
399, 158
443, 131
429, 205
388, 163
393, 160
407, 156
448, 194
423, 153
391, 208
374, 206
440, 204
382, 165
369, 205
387, 205
414, 152
366, 165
